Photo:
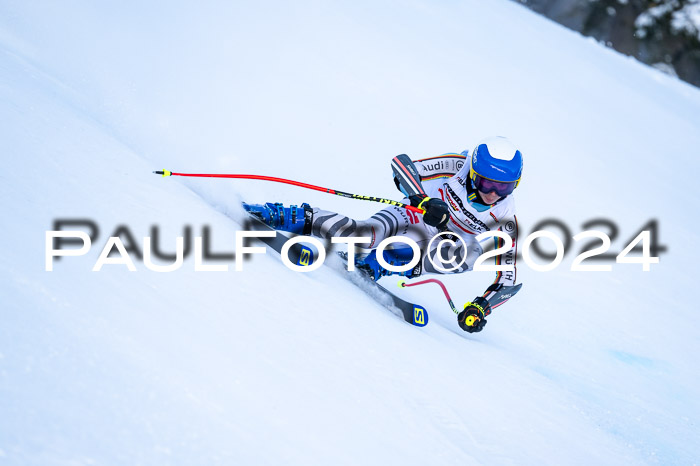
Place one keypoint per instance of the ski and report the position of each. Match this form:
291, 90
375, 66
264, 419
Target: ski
503, 294
300, 254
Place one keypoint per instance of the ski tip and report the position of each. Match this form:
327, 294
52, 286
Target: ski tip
420, 316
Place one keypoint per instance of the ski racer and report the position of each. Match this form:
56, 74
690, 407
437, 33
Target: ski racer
466, 194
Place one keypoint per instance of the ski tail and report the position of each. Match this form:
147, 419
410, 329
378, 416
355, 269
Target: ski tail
407, 176
503, 293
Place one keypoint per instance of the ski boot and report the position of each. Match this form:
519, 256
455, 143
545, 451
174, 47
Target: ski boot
396, 257
292, 219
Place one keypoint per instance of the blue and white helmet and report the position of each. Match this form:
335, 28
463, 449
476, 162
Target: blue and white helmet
496, 165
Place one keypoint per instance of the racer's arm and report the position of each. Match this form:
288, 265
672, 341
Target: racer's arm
509, 225
435, 211
441, 166
472, 318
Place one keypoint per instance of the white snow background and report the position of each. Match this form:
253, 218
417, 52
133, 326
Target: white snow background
268, 366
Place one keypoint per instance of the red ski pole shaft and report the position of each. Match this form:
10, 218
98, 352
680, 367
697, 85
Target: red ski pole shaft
403, 284
295, 183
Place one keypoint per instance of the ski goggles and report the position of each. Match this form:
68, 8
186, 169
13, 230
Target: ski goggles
486, 186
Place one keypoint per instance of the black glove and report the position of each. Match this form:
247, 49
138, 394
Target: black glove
436, 213
472, 318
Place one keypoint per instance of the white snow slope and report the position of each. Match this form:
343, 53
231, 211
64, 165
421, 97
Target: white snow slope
268, 366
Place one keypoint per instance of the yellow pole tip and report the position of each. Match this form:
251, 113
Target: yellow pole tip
402, 283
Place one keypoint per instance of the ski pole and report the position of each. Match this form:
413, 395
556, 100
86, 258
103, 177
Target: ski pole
296, 183
403, 284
